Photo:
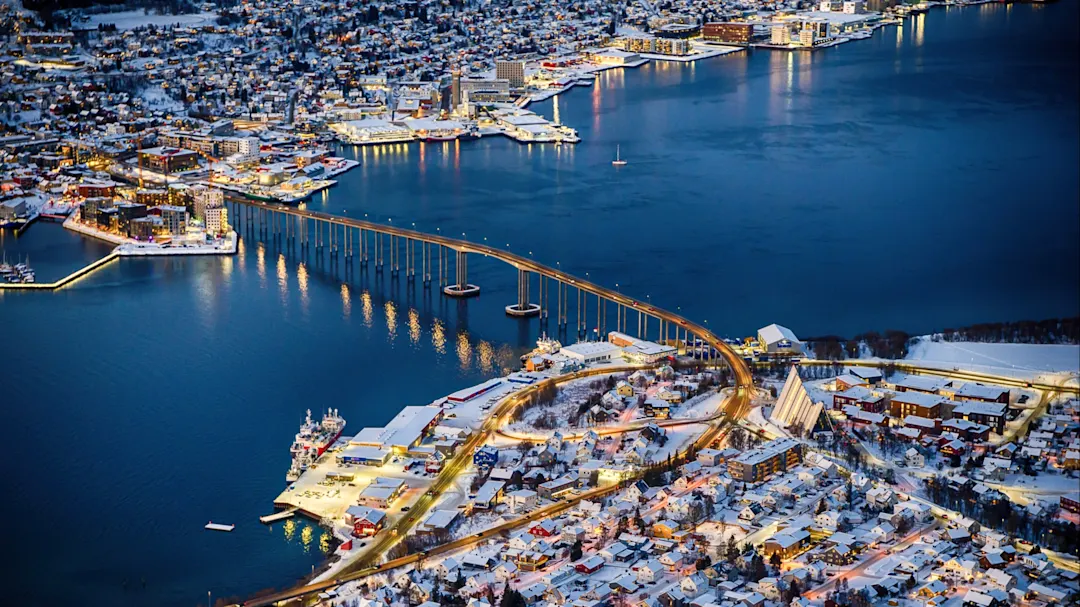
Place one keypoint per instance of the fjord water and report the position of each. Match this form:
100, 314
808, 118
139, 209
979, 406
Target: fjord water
920, 179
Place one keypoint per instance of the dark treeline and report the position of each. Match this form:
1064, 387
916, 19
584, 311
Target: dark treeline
894, 343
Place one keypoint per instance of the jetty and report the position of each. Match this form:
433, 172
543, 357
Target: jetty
278, 516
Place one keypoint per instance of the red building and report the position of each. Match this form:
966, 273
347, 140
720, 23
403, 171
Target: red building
365, 521
545, 528
93, 189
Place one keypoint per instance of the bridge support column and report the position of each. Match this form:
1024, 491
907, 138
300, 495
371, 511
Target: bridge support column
425, 261
523, 308
394, 266
378, 253
462, 288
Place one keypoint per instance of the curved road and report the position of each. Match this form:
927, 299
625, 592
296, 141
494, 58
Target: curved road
736, 406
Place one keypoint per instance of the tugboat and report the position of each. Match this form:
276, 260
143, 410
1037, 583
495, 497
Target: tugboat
313, 439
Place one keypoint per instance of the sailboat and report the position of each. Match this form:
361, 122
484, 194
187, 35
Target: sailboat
618, 160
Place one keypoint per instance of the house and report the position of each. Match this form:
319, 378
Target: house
1000, 579
521, 501
365, 521
786, 543
589, 565
488, 495
838, 555
650, 571
769, 587
827, 521
914, 459
486, 457
881, 497
665, 529
624, 389
544, 528
694, 586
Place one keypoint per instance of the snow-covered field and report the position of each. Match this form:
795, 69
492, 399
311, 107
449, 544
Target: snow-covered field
1017, 360
127, 20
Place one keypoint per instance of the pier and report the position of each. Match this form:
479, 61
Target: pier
278, 516
77, 274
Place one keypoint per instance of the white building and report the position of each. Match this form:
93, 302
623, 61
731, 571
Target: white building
780, 34
590, 352
794, 409
777, 339
521, 501
216, 220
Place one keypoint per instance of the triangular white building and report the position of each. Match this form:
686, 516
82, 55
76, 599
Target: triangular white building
795, 410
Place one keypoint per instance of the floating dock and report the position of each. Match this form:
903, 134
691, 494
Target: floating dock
278, 516
212, 526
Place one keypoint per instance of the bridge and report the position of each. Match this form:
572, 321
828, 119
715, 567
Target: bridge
393, 249
427, 257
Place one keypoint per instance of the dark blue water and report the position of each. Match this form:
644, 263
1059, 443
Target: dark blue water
921, 179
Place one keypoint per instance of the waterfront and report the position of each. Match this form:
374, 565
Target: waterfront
159, 394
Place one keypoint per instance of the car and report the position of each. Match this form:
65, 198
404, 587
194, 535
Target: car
404, 508
479, 535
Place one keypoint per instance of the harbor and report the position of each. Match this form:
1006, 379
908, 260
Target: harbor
329, 325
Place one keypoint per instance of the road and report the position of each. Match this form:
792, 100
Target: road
736, 407
907, 367
736, 404
819, 591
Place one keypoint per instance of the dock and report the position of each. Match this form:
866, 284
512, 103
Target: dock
278, 516
212, 526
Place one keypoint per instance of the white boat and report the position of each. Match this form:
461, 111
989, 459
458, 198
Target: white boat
618, 160
212, 526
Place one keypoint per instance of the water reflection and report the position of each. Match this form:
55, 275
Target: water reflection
485, 356
346, 300
367, 309
302, 281
260, 263
438, 336
464, 350
283, 278
391, 320
414, 326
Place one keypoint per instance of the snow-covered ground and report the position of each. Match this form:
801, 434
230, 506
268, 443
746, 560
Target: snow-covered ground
127, 20
1014, 360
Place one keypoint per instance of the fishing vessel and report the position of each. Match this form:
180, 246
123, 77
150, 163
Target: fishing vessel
313, 439
618, 159
544, 345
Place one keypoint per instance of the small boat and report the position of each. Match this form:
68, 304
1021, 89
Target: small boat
212, 526
618, 159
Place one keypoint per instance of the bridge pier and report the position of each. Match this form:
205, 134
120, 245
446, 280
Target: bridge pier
523, 308
462, 288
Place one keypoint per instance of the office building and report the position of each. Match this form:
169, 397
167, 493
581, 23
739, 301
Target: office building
728, 33
511, 71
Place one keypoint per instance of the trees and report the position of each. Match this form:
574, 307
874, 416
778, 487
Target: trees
703, 563
775, 560
575, 551
757, 568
